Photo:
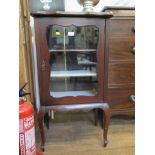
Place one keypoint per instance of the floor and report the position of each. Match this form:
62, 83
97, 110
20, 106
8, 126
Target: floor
75, 134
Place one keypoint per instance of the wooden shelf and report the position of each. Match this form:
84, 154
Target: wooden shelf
72, 50
73, 93
73, 73
86, 62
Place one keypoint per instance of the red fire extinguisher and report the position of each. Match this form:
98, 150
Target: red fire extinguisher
26, 126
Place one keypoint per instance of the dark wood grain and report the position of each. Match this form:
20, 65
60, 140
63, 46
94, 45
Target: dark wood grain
120, 98
121, 74
120, 49
120, 65
122, 28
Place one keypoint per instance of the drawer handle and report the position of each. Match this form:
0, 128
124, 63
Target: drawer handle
133, 50
132, 98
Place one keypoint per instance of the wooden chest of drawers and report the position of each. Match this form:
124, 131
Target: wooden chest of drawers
120, 63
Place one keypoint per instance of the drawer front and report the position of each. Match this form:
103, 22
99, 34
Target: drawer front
121, 49
121, 13
122, 28
120, 74
120, 98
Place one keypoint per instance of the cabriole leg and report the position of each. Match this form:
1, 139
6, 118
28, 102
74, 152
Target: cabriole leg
41, 129
106, 111
96, 116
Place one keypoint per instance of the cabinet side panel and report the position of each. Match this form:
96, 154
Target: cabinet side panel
36, 83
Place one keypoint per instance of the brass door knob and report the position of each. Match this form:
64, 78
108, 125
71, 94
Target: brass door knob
133, 50
132, 98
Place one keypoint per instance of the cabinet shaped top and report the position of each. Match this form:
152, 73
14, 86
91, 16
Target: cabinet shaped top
106, 14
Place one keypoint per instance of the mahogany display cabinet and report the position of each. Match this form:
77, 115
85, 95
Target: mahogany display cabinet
70, 52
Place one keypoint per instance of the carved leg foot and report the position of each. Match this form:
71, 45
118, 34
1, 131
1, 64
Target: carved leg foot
46, 120
41, 128
106, 110
42, 148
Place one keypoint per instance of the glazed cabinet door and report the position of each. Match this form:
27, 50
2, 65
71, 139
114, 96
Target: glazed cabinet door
70, 60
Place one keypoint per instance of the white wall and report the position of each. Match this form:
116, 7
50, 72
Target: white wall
73, 5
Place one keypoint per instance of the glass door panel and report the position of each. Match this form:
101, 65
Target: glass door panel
56, 38
84, 37
73, 60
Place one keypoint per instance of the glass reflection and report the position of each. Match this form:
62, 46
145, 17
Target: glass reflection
73, 60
